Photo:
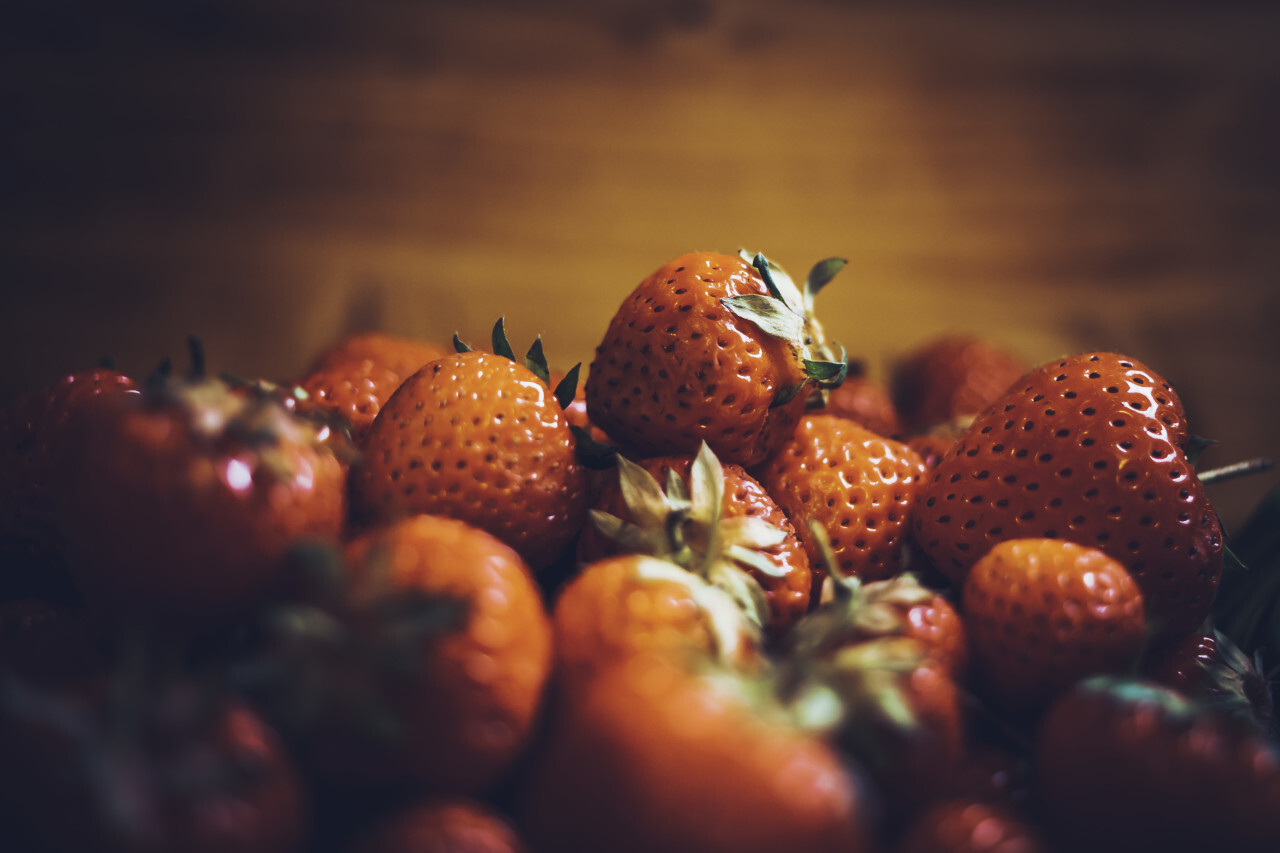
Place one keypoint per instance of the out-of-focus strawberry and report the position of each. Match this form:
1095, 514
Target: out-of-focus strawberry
442, 826
712, 348
398, 354
479, 437
971, 826
865, 401
949, 377
1208, 667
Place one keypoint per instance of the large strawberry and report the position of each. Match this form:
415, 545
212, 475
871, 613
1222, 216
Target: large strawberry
859, 486
479, 437
656, 756
714, 520
183, 500
1088, 449
712, 348
1124, 764
1045, 613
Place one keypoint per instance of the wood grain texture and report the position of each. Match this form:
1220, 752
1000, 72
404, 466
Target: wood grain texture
270, 175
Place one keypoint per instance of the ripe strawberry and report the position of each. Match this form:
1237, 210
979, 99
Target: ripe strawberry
711, 348
478, 437
1084, 449
654, 756
144, 765
354, 391
183, 500
715, 520
444, 826
860, 487
1045, 613
401, 355
1123, 762
865, 401
33, 437
424, 667
971, 826
620, 607
1208, 667
950, 377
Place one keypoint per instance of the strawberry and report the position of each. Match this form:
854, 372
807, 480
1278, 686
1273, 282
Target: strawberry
712, 519
1085, 449
858, 486
423, 665
442, 826
970, 826
656, 756
479, 437
949, 377
1044, 613
863, 400
33, 437
352, 390
1123, 763
183, 500
712, 348
400, 355
1207, 666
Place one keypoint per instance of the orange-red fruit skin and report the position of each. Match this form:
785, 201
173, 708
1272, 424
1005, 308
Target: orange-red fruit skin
444, 826
867, 402
858, 485
788, 594
1043, 613
470, 711
401, 355
676, 368
970, 826
652, 757
1085, 449
949, 377
476, 437
354, 391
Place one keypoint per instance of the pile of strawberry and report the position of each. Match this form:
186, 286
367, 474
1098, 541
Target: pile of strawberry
727, 594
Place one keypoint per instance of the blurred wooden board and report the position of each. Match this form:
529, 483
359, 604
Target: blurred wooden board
272, 175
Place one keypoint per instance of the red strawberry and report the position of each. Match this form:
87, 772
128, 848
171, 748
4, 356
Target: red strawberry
401, 355
711, 348
950, 377
183, 500
863, 400
478, 437
1044, 613
654, 756
1207, 666
970, 826
715, 520
444, 826
1124, 762
860, 487
1084, 449
354, 391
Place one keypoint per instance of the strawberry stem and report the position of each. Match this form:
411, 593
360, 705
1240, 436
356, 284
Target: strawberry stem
1243, 468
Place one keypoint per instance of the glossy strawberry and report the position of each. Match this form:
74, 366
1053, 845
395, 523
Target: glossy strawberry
1045, 613
478, 437
399, 354
859, 486
951, 376
970, 826
712, 348
183, 500
1122, 762
352, 390
1085, 449
711, 519
33, 438
425, 666
654, 756
442, 826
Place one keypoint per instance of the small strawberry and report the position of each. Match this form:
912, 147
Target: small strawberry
949, 377
865, 401
1208, 667
971, 826
655, 756
1123, 762
1085, 449
182, 501
859, 486
442, 826
479, 437
715, 520
424, 665
711, 348
1045, 613
352, 390
401, 355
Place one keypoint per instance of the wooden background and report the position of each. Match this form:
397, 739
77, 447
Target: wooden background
269, 175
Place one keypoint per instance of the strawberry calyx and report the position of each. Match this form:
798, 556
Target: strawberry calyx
535, 360
786, 313
685, 525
